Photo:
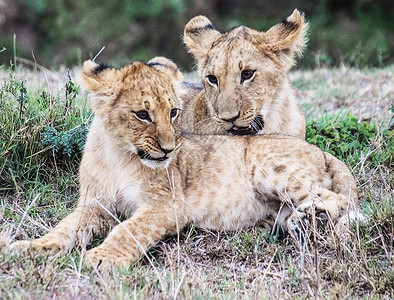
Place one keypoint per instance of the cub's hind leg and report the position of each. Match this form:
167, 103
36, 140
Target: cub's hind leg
77, 227
322, 199
301, 190
327, 205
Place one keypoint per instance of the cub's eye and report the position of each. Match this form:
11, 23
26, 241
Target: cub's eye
246, 74
142, 115
174, 112
212, 79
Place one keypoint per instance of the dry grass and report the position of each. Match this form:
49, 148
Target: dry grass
367, 94
250, 263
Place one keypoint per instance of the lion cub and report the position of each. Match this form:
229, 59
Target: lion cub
137, 164
244, 77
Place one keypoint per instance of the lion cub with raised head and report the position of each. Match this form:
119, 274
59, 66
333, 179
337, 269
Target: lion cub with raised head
136, 163
244, 76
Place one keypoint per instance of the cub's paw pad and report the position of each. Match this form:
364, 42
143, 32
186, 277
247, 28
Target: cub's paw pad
321, 218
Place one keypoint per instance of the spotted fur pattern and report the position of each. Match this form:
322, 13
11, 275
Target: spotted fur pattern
219, 182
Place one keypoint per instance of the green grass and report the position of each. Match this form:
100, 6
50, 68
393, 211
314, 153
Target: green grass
42, 132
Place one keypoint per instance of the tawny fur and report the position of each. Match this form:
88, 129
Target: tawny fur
267, 93
218, 182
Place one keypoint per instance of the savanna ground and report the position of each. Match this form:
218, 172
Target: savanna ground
42, 126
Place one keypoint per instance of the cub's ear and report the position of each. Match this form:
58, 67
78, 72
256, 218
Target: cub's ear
166, 66
289, 36
103, 81
96, 77
199, 34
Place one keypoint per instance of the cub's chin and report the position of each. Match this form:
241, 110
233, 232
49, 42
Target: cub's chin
157, 163
255, 126
152, 162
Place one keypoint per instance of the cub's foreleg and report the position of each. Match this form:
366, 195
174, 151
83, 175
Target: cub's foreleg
129, 240
77, 227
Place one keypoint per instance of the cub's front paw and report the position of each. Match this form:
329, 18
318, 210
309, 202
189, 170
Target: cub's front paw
41, 244
104, 259
20, 246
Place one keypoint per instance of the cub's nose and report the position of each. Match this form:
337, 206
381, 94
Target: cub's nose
228, 117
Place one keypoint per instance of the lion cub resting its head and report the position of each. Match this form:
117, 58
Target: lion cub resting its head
135, 163
244, 75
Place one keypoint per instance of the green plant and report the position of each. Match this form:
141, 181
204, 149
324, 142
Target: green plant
40, 133
68, 142
348, 139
